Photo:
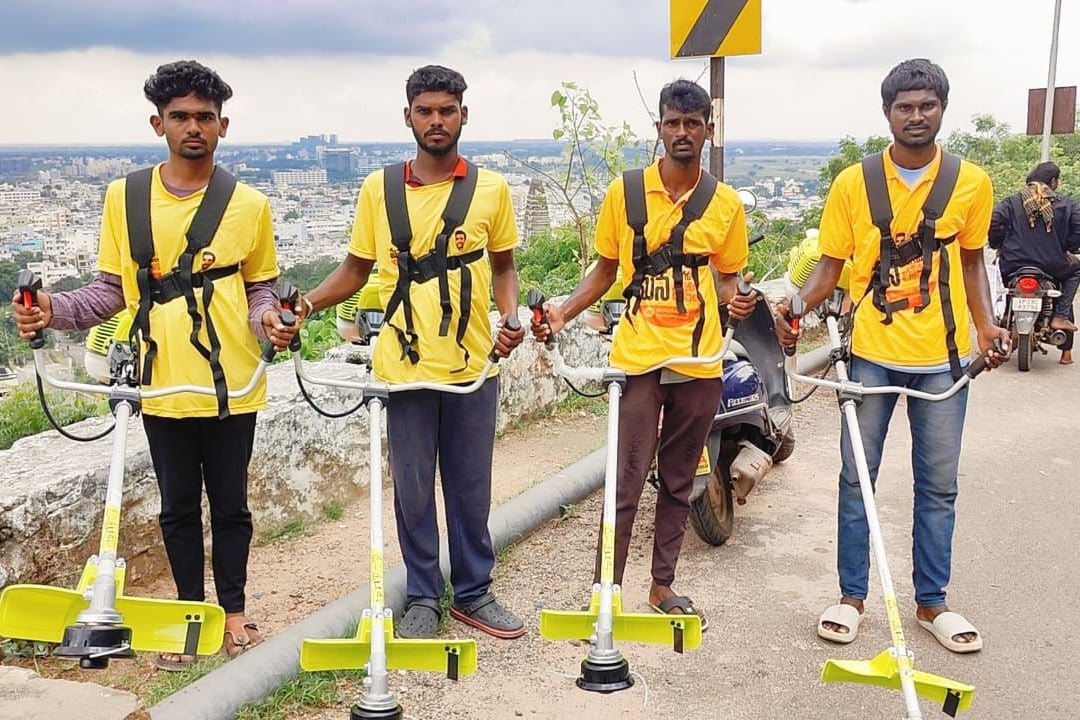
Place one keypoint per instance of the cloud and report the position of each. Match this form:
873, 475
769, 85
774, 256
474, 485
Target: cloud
326, 27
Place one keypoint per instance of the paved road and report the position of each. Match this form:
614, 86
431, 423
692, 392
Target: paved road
1015, 576
1015, 569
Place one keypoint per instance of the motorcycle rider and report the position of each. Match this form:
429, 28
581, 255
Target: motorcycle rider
1040, 227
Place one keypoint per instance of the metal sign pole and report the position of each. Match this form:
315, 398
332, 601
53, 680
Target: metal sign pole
1048, 112
716, 90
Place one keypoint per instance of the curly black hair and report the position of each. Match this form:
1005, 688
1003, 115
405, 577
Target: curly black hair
685, 96
435, 78
180, 79
917, 74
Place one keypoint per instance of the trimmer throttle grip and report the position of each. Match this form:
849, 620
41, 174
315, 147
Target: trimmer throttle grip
536, 300
289, 296
29, 284
511, 323
979, 363
796, 308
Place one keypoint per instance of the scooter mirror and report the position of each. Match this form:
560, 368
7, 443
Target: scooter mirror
748, 199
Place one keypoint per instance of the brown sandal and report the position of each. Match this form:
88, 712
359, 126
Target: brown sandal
236, 643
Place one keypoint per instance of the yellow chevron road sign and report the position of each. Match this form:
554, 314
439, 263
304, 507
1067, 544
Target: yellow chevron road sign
715, 27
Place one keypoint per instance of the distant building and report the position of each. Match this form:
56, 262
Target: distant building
298, 178
340, 163
537, 218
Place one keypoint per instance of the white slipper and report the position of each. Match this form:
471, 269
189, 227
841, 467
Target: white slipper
840, 614
947, 626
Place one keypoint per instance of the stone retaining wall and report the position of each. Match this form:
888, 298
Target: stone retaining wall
53, 489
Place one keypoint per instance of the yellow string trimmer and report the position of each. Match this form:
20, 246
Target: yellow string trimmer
374, 647
96, 620
893, 668
605, 669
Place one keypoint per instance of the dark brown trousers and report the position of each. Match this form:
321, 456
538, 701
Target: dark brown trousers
688, 409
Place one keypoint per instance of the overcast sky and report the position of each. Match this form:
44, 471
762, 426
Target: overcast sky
72, 70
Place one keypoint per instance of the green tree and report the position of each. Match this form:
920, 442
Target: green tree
594, 155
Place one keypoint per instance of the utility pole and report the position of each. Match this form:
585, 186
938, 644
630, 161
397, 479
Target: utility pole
1048, 113
716, 90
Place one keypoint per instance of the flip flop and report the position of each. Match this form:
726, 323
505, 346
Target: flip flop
947, 626
162, 662
840, 614
237, 643
684, 605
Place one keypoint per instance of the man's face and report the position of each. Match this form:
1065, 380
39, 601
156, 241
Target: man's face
436, 119
683, 134
915, 118
191, 126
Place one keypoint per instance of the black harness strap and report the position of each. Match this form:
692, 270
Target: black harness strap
891, 258
181, 280
670, 254
434, 265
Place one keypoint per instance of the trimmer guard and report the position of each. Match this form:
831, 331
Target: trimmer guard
435, 655
41, 612
882, 671
650, 628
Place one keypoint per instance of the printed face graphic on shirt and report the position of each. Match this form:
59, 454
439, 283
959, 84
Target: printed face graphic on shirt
459, 239
208, 259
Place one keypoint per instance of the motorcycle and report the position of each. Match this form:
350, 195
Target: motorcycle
1029, 307
752, 428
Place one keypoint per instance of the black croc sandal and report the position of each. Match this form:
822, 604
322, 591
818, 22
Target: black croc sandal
488, 615
421, 619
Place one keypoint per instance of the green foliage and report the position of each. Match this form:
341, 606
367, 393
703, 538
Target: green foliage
289, 531
318, 335
21, 414
333, 511
163, 684
308, 690
768, 257
307, 275
550, 263
1008, 157
851, 152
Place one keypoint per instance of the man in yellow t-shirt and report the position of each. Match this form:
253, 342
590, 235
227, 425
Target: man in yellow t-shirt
667, 317
437, 330
193, 440
901, 336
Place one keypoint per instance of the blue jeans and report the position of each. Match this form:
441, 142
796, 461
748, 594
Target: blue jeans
936, 428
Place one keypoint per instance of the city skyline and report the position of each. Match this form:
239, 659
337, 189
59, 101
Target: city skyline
335, 66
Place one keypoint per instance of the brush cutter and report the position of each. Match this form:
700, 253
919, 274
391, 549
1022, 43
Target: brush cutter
605, 669
893, 668
374, 646
96, 621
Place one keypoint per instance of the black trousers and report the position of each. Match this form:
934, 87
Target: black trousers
188, 454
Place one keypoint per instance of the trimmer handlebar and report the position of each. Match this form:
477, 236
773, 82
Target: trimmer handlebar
857, 389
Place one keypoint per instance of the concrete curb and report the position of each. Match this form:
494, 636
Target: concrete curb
258, 673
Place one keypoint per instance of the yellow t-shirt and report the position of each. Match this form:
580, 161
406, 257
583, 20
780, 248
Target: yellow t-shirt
914, 339
658, 331
489, 224
245, 237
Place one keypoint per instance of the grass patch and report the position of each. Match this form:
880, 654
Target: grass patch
444, 608
333, 511
309, 690
289, 531
160, 685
